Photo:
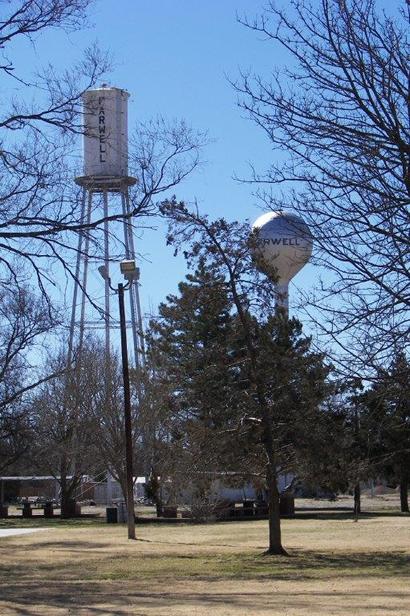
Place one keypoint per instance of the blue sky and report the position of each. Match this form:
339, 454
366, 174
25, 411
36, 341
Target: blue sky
175, 57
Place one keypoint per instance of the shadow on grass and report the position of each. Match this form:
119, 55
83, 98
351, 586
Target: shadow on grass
307, 565
100, 599
97, 579
302, 565
312, 564
95, 560
338, 514
75, 546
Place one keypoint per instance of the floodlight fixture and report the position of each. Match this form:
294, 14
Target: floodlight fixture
129, 270
104, 272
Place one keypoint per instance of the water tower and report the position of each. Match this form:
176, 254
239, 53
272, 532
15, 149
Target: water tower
105, 178
283, 246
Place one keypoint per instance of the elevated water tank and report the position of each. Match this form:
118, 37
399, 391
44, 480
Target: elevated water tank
106, 132
283, 245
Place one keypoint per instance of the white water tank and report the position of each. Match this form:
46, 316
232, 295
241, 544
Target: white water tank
105, 132
283, 245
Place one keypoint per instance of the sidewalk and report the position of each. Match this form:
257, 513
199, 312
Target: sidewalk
9, 532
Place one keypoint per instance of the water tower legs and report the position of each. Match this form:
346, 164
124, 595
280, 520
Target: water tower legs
79, 322
282, 298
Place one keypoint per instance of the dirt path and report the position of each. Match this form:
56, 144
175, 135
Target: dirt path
10, 532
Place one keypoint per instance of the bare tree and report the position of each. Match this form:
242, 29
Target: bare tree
86, 429
109, 418
24, 323
63, 416
40, 220
162, 154
40, 115
40, 213
54, 99
337, 116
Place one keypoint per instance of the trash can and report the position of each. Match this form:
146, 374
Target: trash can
27, 511
48, 510
247, 508
287, 504
4, 511
122, 512
112, 515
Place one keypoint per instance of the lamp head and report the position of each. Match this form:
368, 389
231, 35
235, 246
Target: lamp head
129, 270
103, 272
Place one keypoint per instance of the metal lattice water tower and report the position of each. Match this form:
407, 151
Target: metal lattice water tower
105, 175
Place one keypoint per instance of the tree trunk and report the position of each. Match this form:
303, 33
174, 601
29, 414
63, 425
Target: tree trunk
275, 534
357, 505
68, 509
404, 495
65, 503
65, 492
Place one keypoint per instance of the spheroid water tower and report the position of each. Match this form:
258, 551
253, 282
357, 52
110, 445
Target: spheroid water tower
105, 177
283, 245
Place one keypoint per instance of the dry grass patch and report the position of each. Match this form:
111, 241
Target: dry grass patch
335, 567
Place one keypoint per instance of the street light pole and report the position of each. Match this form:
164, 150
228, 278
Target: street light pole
127, 416
131, 274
